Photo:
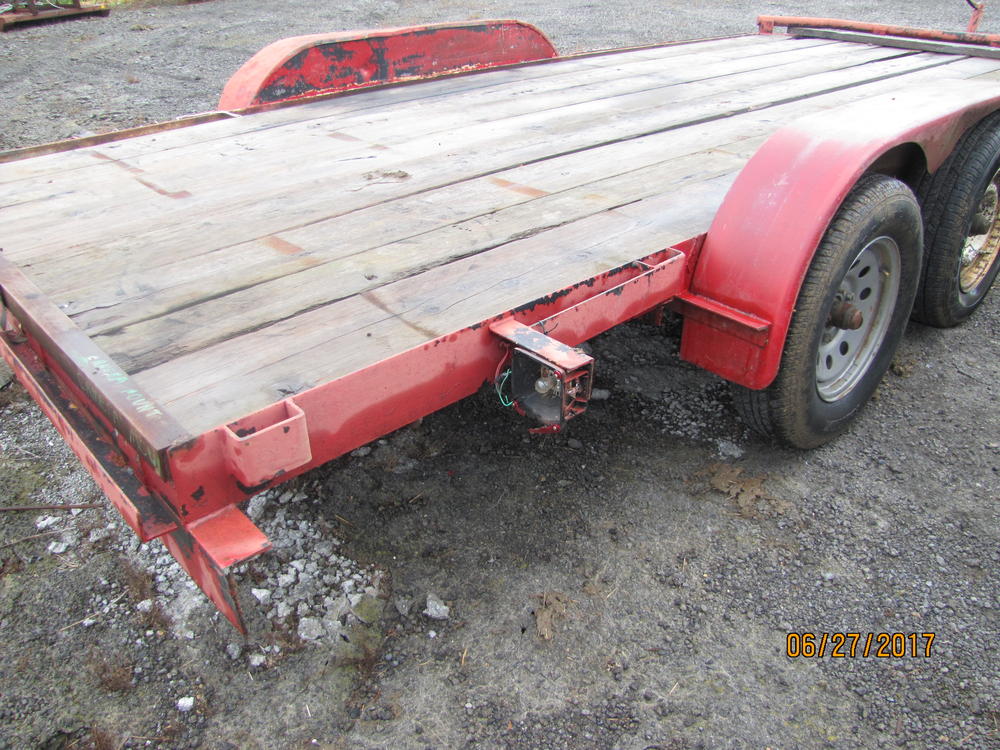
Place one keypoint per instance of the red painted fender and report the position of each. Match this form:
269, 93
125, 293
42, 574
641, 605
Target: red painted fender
762, 240
321, 63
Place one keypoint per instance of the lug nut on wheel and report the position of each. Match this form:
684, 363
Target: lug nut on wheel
846, 316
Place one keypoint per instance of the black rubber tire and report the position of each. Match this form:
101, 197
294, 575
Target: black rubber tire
949, 199
791, 409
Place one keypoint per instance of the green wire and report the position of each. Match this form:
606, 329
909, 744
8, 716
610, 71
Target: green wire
504, 401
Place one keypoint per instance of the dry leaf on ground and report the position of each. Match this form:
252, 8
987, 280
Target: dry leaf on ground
552, 606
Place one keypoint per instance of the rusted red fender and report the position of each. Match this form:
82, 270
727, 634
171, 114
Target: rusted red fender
764, 235
322, 63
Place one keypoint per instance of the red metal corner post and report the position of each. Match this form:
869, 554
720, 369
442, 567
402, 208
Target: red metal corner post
323, 63
977, 15
763, 237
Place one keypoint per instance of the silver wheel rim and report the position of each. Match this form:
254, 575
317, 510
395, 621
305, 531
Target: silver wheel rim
870, 287
982, 244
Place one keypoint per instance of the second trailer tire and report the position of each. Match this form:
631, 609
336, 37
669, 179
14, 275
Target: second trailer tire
961, 206
850, 314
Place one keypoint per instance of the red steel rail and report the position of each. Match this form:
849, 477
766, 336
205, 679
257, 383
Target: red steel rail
767, 24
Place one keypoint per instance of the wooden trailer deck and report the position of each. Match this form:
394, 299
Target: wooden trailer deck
229, 264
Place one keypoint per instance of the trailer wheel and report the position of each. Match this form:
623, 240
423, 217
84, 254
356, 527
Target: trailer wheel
961, 228
849, 317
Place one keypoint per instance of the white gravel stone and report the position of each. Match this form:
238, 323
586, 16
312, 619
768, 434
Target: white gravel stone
255, 508
728, 449
336, 607
145, 605
257, 660
57, 548
233, 650
97, 535
262, 595
436, 609
311, 628
44, 522
287, 579
333, 627
185, 704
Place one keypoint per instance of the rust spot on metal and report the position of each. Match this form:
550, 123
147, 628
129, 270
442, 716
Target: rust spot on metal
518, 188
846, 316
254, 489
282, 246
306, 66
548, 299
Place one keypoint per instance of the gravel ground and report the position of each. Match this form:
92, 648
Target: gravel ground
461, 584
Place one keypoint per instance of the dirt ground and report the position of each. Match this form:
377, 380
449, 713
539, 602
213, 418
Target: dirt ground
628, 584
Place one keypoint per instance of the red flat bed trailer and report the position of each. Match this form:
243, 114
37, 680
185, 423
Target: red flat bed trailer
208, 307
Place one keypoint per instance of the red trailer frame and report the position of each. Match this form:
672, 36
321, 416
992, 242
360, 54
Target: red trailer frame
735, 296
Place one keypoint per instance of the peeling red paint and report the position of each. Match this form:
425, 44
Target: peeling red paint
320, 63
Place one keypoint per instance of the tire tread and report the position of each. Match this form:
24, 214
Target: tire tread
776, 411
946, 198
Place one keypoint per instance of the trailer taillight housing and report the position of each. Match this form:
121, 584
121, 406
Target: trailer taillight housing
547, 392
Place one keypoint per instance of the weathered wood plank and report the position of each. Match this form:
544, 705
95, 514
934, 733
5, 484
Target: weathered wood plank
244, 209
491, 162
445, 298
392, 96
263, 372
149, 342
403, 224
258, 164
